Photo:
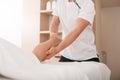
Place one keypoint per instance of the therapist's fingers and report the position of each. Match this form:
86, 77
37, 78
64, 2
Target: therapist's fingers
50, 53
50, 56
51, 50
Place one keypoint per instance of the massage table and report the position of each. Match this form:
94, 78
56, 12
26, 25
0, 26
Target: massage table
17, 64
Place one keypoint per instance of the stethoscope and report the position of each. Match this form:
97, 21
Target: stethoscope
77, 4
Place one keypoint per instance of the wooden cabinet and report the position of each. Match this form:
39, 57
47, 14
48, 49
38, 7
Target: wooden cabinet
45, 16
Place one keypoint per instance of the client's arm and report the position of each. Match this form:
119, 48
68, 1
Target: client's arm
41, 49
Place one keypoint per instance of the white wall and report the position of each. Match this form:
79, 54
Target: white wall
110, 34
19, 22
107, 34
98, 24
31, 24
11, 20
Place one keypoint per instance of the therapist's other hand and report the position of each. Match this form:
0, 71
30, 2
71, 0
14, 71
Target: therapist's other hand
52, 52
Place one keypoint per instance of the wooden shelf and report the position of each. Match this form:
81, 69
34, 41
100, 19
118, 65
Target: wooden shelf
45, 20
49, 12
48, 32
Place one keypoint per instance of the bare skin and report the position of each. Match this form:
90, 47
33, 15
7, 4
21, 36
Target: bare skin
41, 49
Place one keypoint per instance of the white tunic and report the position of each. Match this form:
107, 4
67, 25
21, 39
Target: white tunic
83, 47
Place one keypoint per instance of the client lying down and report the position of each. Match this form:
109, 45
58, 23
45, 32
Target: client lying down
16, 64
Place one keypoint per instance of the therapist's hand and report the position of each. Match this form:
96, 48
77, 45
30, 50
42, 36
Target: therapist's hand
52, 52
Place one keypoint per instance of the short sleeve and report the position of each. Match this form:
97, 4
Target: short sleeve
87, 11
55, 10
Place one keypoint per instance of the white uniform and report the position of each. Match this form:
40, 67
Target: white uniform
83, 47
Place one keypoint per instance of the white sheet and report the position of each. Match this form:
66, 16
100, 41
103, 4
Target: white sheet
20, 65
93, 70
